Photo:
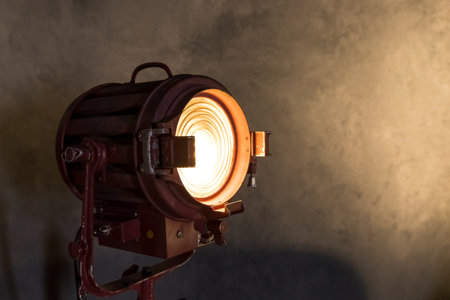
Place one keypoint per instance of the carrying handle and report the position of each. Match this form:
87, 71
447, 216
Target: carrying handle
150, 65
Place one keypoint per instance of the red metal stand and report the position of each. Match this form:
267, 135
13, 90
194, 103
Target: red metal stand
94, 155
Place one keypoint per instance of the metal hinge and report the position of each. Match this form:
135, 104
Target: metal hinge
162, 151
150, 149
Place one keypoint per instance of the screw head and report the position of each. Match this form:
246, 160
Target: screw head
150, 234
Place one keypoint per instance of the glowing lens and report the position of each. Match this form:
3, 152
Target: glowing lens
206, 119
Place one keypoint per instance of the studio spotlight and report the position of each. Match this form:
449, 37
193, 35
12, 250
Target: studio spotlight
156, 165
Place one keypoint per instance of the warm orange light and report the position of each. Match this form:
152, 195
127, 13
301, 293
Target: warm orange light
222, 146
259, 143
214, 144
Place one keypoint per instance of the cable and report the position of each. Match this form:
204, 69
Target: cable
76, 269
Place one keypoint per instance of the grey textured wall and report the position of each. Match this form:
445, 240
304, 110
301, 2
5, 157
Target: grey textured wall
354, 204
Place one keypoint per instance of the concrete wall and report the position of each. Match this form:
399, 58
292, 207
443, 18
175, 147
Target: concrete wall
354, 203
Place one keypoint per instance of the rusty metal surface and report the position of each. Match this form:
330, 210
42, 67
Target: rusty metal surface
119, 231
97, 154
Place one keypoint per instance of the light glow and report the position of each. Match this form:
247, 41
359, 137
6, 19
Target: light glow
222, 146
206, 119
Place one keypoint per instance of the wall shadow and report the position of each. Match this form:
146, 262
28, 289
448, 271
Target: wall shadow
32, 189
441, 290
55, 265
264, 274
6, 259
29, 123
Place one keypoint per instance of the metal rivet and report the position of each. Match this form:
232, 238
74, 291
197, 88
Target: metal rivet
179, 234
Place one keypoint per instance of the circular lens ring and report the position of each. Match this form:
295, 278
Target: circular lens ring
217, 115
209, 123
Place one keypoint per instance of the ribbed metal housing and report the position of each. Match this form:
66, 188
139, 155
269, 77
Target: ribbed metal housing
114, 114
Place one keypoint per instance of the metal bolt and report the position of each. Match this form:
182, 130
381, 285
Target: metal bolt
105, 230
179, 234
252, 181
150, 234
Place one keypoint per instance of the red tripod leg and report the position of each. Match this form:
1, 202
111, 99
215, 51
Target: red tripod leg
94, 155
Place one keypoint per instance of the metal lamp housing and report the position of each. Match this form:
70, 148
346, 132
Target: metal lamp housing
122, 116
122, 149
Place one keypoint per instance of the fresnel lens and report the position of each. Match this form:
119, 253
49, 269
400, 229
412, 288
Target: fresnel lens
156, 165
